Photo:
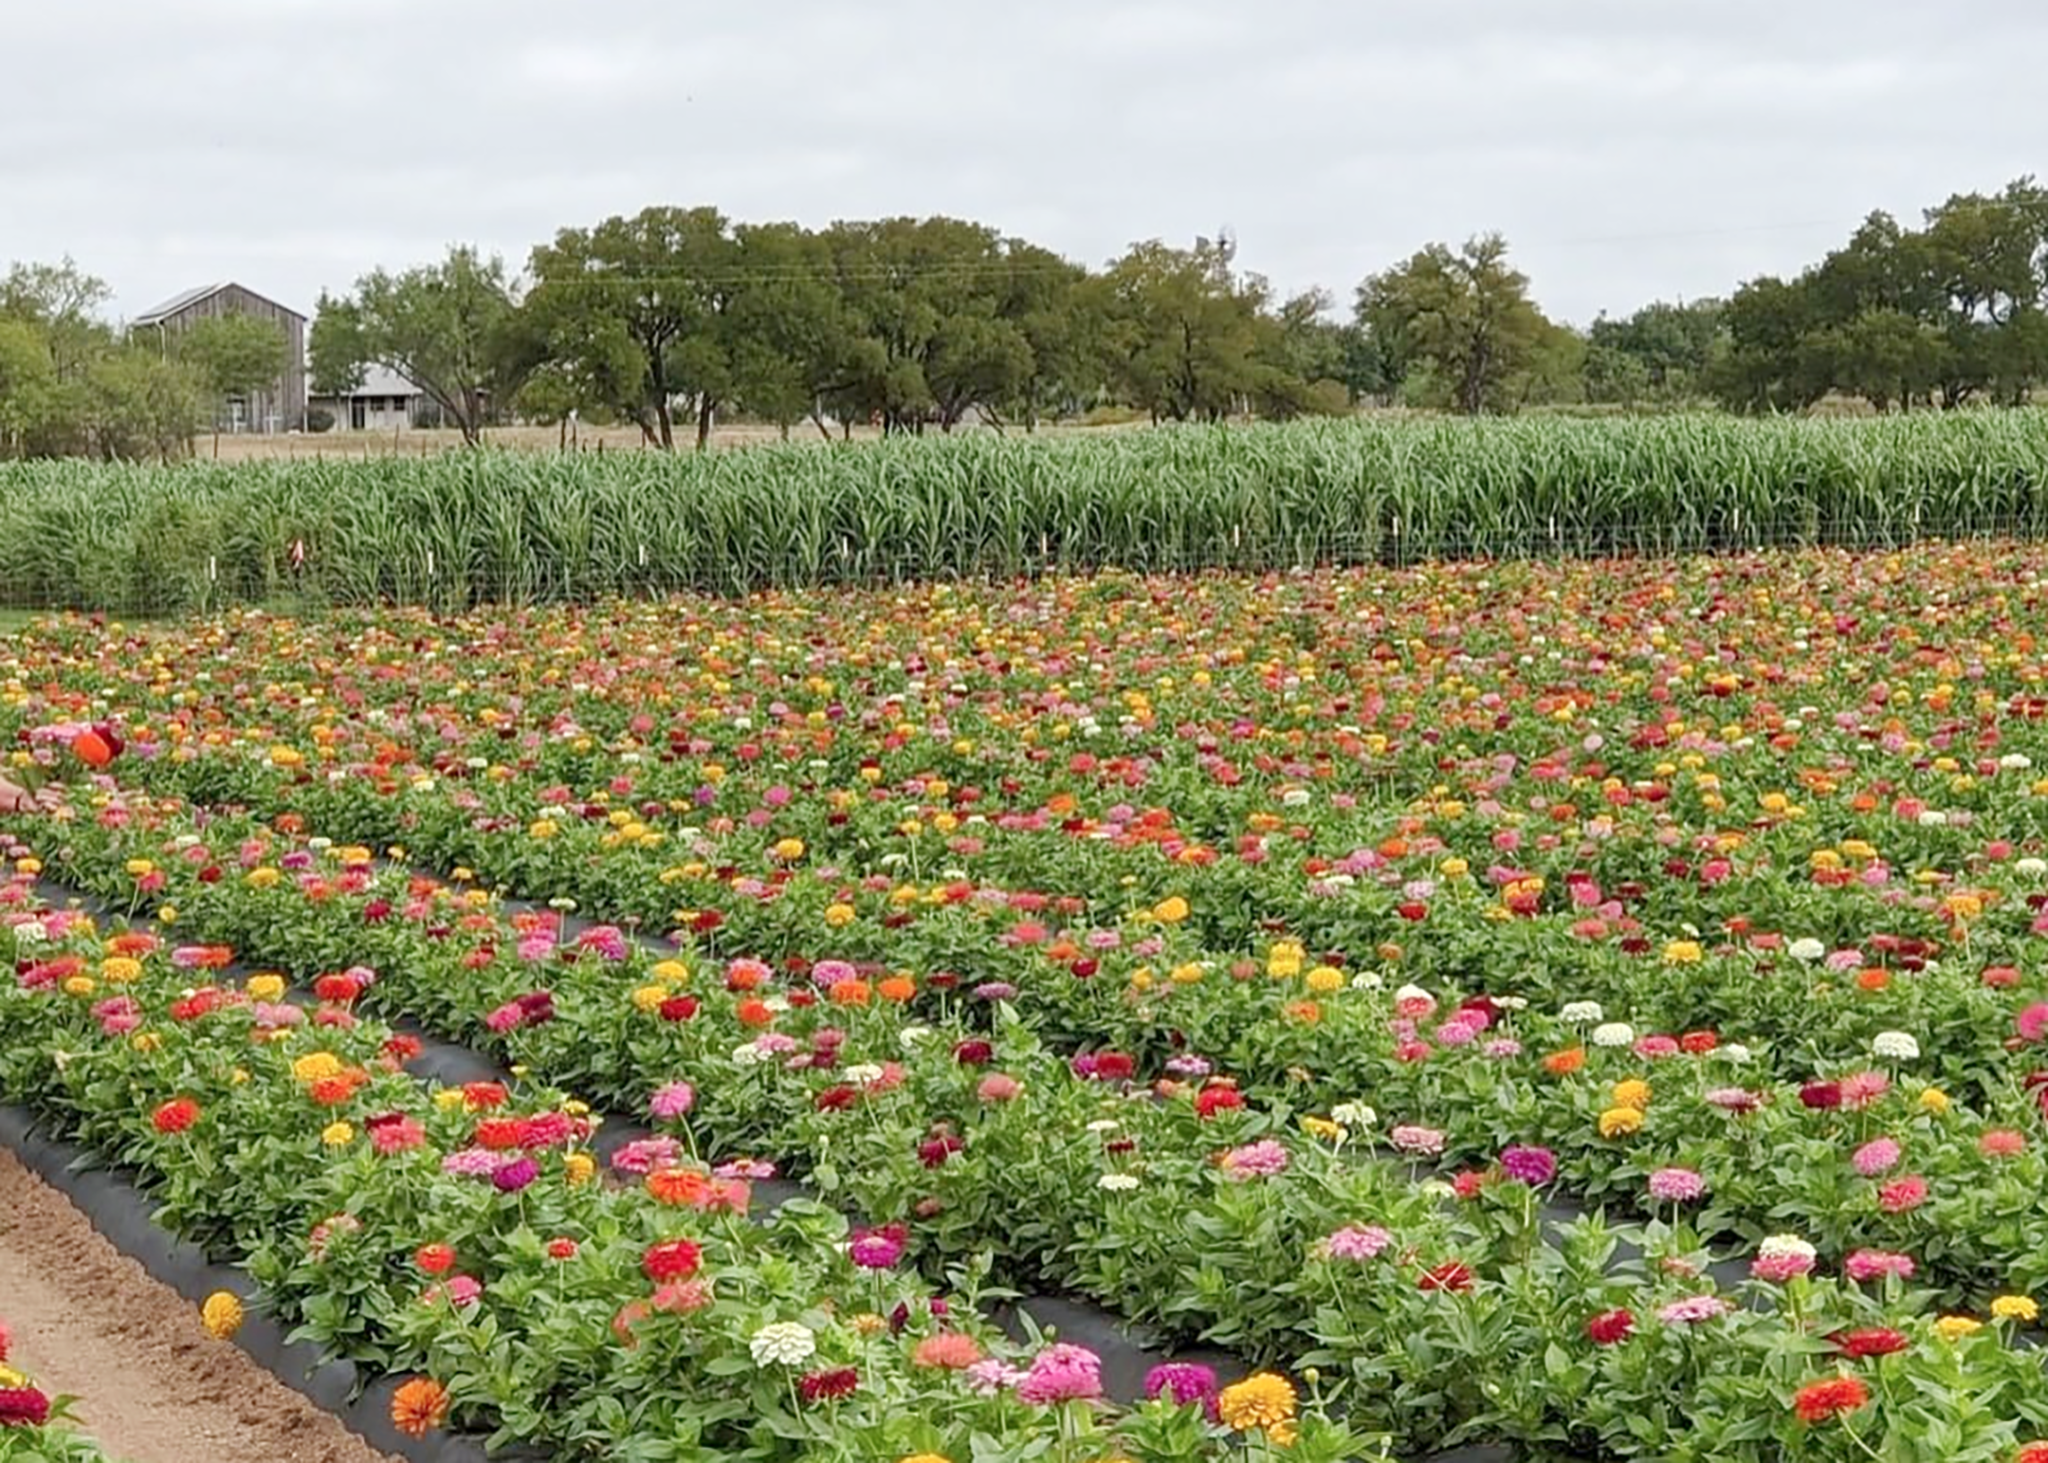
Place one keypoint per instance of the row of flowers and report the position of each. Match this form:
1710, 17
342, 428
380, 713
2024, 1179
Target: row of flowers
1870, 1155
1299, 1250
461, 1233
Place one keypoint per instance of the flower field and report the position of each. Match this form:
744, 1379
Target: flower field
1597, 1007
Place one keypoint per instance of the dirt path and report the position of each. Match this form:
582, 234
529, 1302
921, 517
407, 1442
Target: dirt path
153, 1387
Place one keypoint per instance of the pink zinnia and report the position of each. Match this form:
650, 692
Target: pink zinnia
645, 1155
2001, 1143
829, 973
998, 1087
877, 1249
536, 947
2033, 1022
993, 1375
1357, 1242
1879, 1155
1456, 1032
1693, 1309
1676, 1185
1412, 1138
1654, 1047
396, 1135
1262, 1159
1062, 1373
1734, 1099
1532, 1166
1864, 1088
672, 1100
606, 940
1901, 1195
1877, 1264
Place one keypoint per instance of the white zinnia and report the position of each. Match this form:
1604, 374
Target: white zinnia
1785, 1247
2033, 868
1117, 1183
1582, 1013
30, 932
783, 1343
1613, 1033
1896, 1045
2015, 761
1808, 949
862, 1073
1735, 1051
1933, 818
1354, 1115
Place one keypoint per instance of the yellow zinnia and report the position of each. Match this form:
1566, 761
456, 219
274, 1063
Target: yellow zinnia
1955, 1328
1264, 1403
316, 1067
579, 1167
2015, 1308
265, 987
221, 1315
337, 1135
1618, 1122
1632, 1092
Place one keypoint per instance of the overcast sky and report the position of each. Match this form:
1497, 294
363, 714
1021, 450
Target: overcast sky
1629, 149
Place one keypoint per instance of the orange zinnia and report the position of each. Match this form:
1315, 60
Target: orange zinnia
679, 1186
1564, 1063
898, 988
418, 1407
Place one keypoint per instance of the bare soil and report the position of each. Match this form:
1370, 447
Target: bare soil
153, 1387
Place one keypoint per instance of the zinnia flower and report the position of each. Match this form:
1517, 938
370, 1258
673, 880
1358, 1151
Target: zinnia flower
1532, 1166
1357, 1242
1263, 1159
674, 1259
781, 1343
221, 1315
1877, 1156
1692, 1310
175, 1116
828, 1386
1876, 1264
1262, 1403
948, 1350
1676, 1185
23, 1407
1871, 1341
418, 1407
672, 1100
1183, 1383
1610, 1327
1824, 1401
1061, 1373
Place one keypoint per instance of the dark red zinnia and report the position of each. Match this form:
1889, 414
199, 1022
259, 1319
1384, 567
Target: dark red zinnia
1453, 1275
1610, 1327
828, 1386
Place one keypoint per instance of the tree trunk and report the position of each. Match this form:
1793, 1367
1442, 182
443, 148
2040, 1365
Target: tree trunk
706, 406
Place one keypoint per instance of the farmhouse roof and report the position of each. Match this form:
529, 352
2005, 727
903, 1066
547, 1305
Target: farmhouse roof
179, 303
380, 381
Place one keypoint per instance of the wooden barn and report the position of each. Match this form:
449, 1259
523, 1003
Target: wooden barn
282, 408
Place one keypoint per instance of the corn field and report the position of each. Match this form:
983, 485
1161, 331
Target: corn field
497, 527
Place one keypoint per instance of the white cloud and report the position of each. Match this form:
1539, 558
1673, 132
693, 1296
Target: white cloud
1629, 150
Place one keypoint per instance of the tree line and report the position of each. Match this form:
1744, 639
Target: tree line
674, 318
73, 385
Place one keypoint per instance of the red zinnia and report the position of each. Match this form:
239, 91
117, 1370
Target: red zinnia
176, 1115
678, 1008
828, 1386
836, 1099
1609, 1327
561, 1249
1822, 1401
1453, 1275
23, 1407
340, 989
673, 1259
1217, 1098
483, 1096
435, 1259
1871, 1341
